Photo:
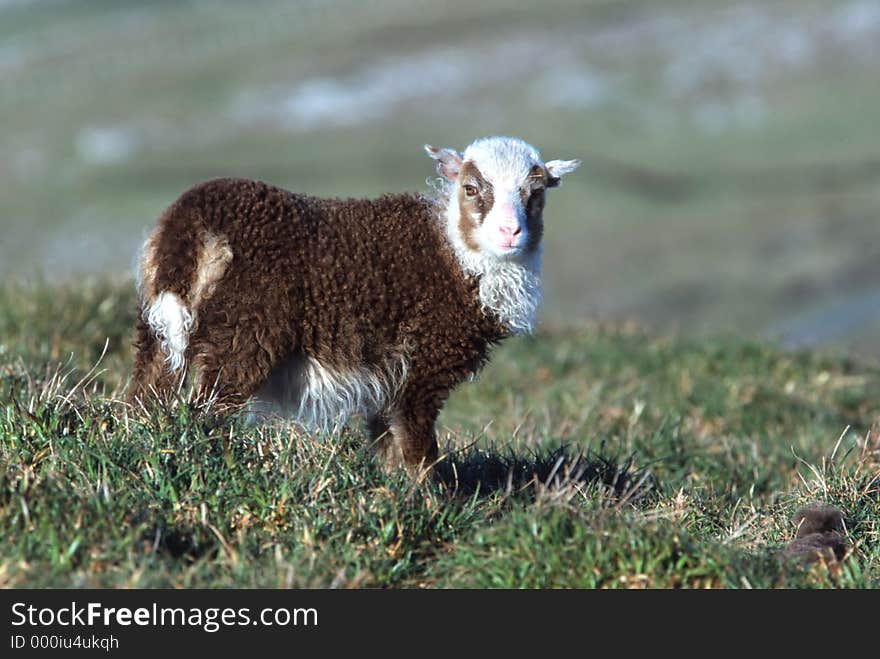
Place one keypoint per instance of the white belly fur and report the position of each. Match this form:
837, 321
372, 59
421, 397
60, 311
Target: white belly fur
318, 397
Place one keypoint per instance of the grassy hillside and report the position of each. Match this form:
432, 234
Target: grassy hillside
603, 457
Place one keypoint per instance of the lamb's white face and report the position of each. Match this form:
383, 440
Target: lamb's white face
496, 196
494, 211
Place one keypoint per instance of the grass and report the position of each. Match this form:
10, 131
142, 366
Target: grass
602, 457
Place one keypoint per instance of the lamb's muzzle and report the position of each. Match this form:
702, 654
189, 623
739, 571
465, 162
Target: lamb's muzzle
323, 308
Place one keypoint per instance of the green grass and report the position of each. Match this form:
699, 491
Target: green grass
603, 457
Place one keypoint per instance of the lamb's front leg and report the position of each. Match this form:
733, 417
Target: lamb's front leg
405, 436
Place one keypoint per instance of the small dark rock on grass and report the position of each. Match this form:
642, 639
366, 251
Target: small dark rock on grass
819, 535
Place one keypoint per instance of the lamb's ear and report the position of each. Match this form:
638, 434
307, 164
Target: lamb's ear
559, 168
448, 161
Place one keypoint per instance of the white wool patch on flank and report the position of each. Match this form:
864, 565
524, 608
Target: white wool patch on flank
170, 321
330, 395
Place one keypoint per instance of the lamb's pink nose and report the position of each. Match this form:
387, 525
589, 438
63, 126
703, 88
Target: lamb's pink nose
510, 232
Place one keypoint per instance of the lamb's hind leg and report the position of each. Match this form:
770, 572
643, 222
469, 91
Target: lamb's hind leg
232, 360
152, 376
229, 378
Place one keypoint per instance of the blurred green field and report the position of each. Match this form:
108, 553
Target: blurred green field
601, 457
731, 156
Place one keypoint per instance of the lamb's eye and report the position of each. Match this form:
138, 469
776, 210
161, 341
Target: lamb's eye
470, 191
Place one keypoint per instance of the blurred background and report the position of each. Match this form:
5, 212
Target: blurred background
731, 176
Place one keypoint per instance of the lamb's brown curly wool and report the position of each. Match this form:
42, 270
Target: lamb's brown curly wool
289, 290
327, 307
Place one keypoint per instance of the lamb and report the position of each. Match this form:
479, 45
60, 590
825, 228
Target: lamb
322, 308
